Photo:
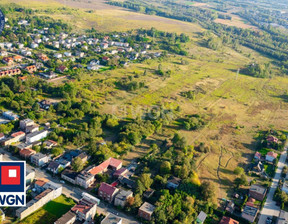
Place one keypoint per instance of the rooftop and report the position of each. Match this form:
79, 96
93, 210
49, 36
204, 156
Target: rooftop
147, 207
107, 188
65, 218
41, 182
250, 210
16, 134
258, 189
228, 220
36, 133
109, 162
111, 219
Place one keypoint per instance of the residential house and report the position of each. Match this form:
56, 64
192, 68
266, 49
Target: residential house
43, 57
271, 156
36, 136
18, 136
249, 212
25, 123
27, 153
68, 54
146, 211
111, 163
50, 143
68, 218
111, 219
45, 104
257, 192
40, 183
2, 136
8, 60
85, 179
54, 167
31, 69
107, 192
34, 45
83, 156
230, 207
40, 159
148, 193
285, 187
62, 69
80, 54
201, 217
283, 217
32, 128
228, 220
30, 175
173, 182
49, 75
121, 172
17, 58
69, 175
272, 138
10, 72
126, 182
257, 156
3, 53
10, 115
122, 197
104, 45
57, 55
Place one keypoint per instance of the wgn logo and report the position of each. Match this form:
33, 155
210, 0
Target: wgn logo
12, 184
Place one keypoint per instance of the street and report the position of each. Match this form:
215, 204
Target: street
270, 208
73, 191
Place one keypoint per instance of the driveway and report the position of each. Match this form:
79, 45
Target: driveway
73, 191
270, 208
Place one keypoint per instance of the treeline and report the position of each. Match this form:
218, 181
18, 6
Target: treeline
274, 46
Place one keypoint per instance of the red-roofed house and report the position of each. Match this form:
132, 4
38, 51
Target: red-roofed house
112, 163
62, 68
107, 192
228, 220
8, 60
2, 136
271, 156
271, 138
120, 172
257, 156
31, 69
16, 71
17, 58
18, 136
26, 153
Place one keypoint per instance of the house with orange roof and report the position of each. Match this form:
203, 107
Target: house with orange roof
31, 69
17, 58
112, 163
271, 156
27, 153
8, 60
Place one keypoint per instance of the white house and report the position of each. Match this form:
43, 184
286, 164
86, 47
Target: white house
271, 156
36, 136
34, 45
68, 54
58, 55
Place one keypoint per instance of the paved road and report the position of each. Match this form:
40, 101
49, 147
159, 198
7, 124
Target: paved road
74, 192
270, 208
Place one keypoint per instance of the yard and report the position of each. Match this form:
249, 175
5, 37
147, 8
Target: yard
50, 212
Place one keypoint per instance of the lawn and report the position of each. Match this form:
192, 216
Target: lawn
50, 212
269, 169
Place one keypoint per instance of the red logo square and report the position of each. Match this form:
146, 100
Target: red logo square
10, 175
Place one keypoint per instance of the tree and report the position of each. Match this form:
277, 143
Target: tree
208, 191
242, 180
56, 151
137, 201
165, 167
77, 164
146, 180
238, 170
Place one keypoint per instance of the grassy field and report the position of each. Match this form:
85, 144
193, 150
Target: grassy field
50, 212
